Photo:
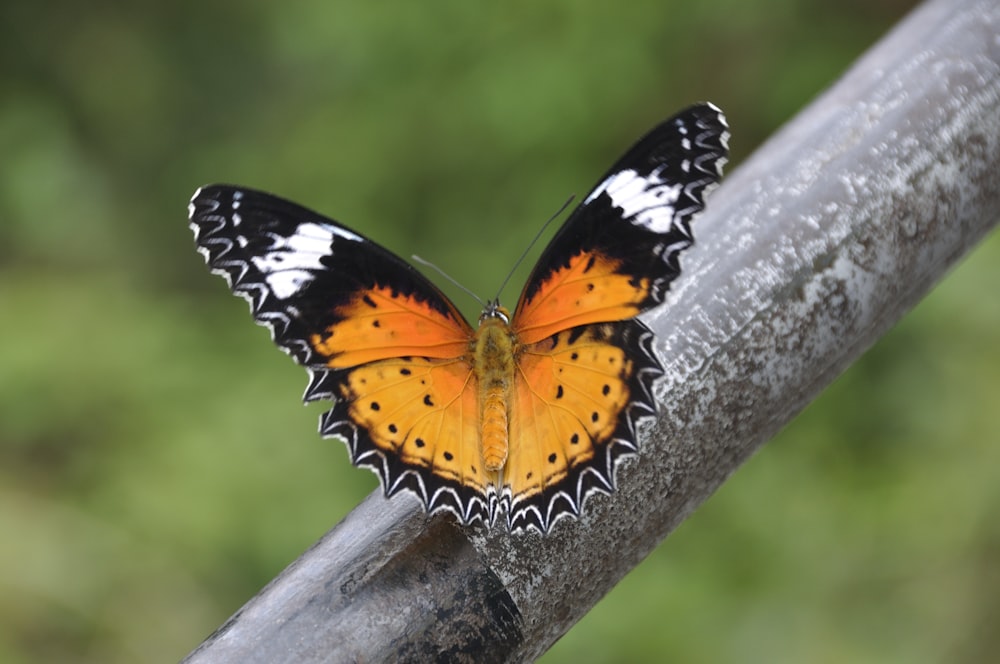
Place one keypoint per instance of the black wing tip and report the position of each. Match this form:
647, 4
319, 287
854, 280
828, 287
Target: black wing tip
710, 145
713, 136
225, 219
706, 113
209, 197
214, 190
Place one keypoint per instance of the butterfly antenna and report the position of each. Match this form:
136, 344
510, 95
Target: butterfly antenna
447, 276
531, 244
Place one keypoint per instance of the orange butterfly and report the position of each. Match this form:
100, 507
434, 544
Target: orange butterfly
526, 414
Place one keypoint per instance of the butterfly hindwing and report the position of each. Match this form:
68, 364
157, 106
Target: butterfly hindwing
618, 252
415, 423
577, 397
378, 339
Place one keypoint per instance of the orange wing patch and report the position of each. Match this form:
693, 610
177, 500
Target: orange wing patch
567, 417
379, 323
423, 412
408, 416
587, 290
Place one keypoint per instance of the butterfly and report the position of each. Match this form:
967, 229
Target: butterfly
526, 414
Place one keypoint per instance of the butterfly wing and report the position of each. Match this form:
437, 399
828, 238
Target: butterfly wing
618, 251
332, 298
376, 336
576, 398
585, 369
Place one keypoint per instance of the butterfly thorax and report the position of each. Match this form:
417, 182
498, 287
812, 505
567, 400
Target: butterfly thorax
493, 350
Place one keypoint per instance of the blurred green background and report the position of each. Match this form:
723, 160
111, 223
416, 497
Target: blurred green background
156, 466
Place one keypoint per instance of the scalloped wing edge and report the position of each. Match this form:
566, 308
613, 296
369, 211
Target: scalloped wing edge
696, 192
437, 495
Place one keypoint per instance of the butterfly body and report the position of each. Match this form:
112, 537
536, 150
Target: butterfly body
494, 357
529, 413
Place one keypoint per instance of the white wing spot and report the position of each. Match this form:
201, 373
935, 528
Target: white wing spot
645, 200
288, 267
287, 283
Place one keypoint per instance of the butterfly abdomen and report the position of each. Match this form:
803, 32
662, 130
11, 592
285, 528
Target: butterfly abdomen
494, 368
494, 428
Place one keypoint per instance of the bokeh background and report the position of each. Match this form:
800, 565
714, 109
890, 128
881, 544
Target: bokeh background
156, 466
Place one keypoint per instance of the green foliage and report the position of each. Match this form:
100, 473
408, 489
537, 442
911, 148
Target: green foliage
156, 468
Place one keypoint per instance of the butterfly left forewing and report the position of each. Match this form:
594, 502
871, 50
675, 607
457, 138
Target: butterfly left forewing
377, 337
618, 252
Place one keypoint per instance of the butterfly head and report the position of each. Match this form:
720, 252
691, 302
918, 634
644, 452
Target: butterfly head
494, 311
